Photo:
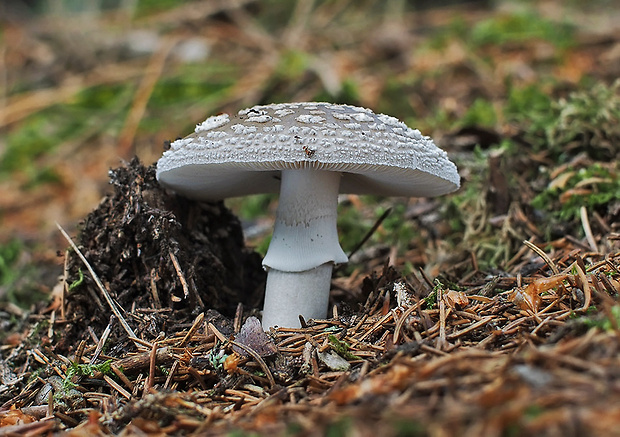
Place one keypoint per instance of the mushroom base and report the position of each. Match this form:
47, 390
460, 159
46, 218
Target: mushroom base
297, 293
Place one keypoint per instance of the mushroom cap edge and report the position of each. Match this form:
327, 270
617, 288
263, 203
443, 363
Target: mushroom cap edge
244, 154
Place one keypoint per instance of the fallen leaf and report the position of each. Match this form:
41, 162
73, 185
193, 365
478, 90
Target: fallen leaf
253, 336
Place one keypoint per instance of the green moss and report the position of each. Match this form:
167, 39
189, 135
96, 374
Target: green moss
193, 84
392, 101
78, 281
252, 207
352, 226
18, 277
340, 428
605, 188
89, 369
431, 300
44, 132
9, 255
35, 332
531, 107
154, 6
520, 27
68, 388
293, 63
409, 428
587, 120
480, 113
341, 348
32, 139
597, 320
458, 29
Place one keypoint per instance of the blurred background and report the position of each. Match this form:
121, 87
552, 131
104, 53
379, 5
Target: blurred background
520, 93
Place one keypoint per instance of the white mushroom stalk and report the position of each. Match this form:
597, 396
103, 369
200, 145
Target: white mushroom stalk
303, 248
309, 152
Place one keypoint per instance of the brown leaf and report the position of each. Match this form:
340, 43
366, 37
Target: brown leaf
455, 298
528, 298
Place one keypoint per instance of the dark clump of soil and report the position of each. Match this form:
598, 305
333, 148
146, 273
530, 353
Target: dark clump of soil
162, 258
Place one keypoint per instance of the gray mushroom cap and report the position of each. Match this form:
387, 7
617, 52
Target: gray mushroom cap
244, 154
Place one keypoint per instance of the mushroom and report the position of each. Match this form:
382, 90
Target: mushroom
309, 152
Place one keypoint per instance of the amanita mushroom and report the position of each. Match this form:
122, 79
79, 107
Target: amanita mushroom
309, 152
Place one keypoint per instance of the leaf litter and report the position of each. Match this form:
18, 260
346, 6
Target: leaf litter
153, 331
483, 354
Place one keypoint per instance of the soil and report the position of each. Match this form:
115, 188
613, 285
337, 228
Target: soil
160, 256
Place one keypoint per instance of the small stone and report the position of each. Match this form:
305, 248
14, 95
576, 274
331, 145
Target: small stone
334, 361
253, 336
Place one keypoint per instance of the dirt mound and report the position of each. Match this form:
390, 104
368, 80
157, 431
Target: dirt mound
157, 253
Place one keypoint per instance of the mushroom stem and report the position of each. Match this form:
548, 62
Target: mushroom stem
289, 294
303, 249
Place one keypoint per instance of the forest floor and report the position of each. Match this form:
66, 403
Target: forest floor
126, 310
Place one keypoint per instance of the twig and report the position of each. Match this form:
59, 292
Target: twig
171, 373
120, 375
238, 317
65, 285
151, 76
587, 292
191, 13
258, 359
154, 291
249, 350
79, 353
102, 288
40, 427
377, 325
148, 385
140, 361
298, 22
543, 255
50, 328
141, 344
470, 328
217, 333
585, 224
104, 338
177, 267
371, 231
540, 325
22, 105
192, 330
443, 342
402, 319
42, 358
117, 387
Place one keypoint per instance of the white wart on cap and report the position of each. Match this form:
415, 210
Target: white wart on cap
309, 152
